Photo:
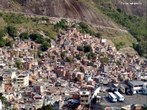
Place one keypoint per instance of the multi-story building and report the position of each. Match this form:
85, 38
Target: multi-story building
2, 87
9, 76
85, 97
22, 80
138, 86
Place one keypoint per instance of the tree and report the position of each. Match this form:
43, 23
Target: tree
63, 54
62, 24
39, 53
141, 48
12, 31
47, 107
84, 28
119, 10
77, 79
4, 101
45, 46
18, 64
80, 48
24, 35
38, 38
98, 35
87, 48
91, 55
78, 57
104, 60
45, 18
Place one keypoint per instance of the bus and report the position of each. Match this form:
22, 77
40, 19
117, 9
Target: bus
119, 96
112, 97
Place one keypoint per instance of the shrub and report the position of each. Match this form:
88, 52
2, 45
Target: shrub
24, 35
69, 59
45, 46
12, 31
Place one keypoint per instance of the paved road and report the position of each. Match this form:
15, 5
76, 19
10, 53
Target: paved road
129, 99
136, 99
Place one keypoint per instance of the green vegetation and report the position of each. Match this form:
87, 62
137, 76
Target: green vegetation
12, 31
85, 48
145, 108
84, 28
91, 55
39, 53
45, 80
9, 42
2, 33
104, 60
69, 59
45, 46
134, 24
47, 107
77, 79
18, 64
45, 18
119, 45
118, 63
80, 48
24, 35
4, 101
61, 25
78, 57
13, 109
38, 38
63, 54
4, 42
141, 48
30, 25
91, 64
98, 35
14, 18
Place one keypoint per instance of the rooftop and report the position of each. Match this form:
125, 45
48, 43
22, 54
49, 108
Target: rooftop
136, 82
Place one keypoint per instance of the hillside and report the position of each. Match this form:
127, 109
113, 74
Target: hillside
108, 16
58, 8
133, 7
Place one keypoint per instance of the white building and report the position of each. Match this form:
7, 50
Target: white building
9, 76
2, 88
22, 80
85, 97
138, 86
145, 88
1, 105
88, 78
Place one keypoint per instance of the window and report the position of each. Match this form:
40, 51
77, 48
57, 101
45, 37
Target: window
140, 91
